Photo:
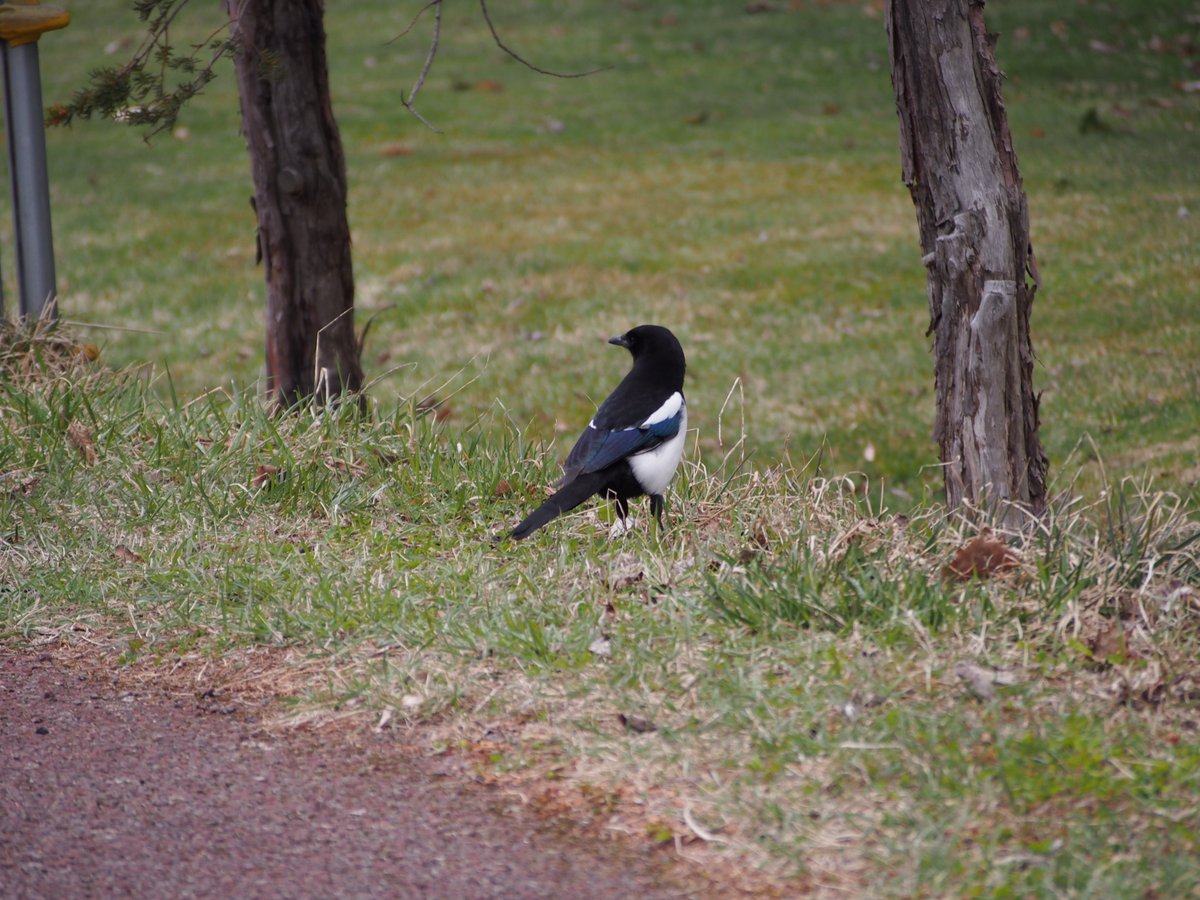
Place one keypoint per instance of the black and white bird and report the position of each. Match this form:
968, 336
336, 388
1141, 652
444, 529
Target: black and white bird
635, 441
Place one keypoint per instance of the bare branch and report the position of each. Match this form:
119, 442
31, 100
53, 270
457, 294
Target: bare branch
413, 23
522, 60
433, 48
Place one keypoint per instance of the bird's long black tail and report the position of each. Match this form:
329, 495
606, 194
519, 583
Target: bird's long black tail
564, 500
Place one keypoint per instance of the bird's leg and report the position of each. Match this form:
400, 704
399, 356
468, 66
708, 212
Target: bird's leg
657, 505
622, 506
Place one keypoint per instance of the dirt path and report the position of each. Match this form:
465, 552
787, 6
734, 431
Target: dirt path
106, 792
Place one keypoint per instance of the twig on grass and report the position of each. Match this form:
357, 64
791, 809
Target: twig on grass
424, 73
413, 23
522, 60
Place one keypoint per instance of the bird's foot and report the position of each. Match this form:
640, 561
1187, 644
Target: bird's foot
622, 527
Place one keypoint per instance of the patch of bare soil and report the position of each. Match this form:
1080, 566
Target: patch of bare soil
112, 788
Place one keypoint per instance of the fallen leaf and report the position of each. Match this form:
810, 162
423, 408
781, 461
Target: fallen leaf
981, 557
502, 489
1188, 87
670, 20
124, 554
388, 150
1038, 133
353, 467
1101, 47
24, 488
488, 86
1140, 685
696, 118
982, 680
1110, 645
1162, 102
1091, 123
440, 408
625, 571
263, 474
637, 724
759, 6
81, 439
601, 647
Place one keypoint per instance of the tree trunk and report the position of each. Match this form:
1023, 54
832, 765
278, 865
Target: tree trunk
959, 164
299, 177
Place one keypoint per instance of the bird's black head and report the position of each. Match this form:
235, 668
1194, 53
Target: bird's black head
654, 345
647, 340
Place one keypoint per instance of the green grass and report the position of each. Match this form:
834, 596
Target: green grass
775, 237
792, 636
795, 649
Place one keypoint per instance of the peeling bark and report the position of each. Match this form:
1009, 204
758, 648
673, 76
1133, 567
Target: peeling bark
299, 175
959, 164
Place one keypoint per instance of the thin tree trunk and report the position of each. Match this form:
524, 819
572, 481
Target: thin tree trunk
959, 164
299, 175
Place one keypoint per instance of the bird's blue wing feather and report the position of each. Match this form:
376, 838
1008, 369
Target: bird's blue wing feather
598, 448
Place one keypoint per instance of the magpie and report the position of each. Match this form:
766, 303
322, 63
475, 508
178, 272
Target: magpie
634, 443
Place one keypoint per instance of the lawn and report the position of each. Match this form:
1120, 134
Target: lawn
790, 680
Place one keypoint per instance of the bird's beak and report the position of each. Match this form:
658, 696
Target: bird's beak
620, 341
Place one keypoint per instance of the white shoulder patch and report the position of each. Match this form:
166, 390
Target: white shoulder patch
669, 408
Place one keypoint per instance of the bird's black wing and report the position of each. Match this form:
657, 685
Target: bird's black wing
599, 447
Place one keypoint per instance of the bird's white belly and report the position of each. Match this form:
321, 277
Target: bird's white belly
655, 468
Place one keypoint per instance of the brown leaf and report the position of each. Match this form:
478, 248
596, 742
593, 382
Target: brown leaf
1110, 645
488, 86
124, 554
636, 724
759, 6
388, 150
24, 488
264, 474
626, 571
355, 468
981, 557
440, 408
502, 489
1036, 132
831, 109
81, 439
696, 118
1162, 102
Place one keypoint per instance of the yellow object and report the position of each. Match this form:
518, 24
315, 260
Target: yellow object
24, 21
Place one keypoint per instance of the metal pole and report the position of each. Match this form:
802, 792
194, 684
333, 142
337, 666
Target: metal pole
21, 24
30, 180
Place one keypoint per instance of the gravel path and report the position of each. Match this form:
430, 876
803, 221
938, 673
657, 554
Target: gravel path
108, 793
